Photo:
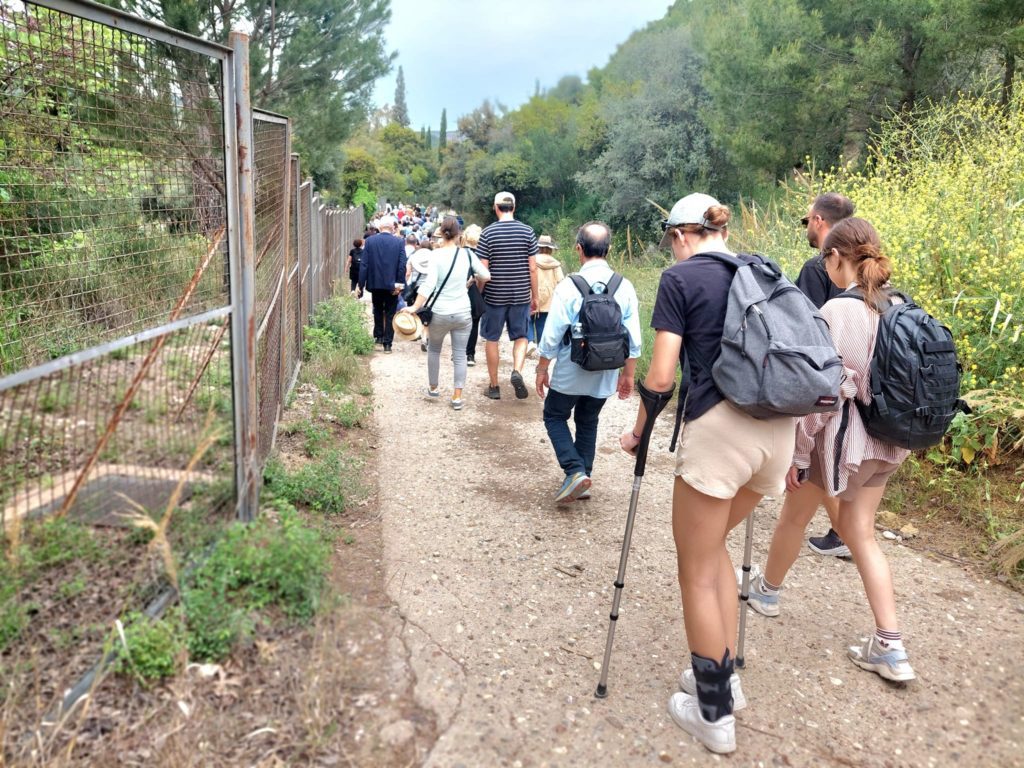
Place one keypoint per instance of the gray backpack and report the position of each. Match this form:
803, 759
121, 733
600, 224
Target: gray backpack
777, 358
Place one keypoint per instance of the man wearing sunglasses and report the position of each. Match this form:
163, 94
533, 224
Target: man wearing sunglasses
825, 211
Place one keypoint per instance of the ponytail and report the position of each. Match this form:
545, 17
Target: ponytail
857, 241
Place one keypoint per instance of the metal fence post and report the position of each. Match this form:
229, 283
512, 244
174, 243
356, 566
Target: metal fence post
243, 318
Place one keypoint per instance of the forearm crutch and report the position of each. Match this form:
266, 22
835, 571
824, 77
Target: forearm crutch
654, 403
745, 589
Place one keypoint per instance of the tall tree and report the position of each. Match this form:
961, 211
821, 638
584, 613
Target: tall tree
442, 139
400, 112
313, 60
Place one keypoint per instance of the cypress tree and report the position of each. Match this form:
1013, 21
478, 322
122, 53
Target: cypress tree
400, 112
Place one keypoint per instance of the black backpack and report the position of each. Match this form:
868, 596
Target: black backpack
914, 378
597, 340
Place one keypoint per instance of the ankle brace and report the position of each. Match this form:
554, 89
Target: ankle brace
714, 689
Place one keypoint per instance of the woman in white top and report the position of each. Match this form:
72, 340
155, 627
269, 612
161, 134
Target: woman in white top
449, 265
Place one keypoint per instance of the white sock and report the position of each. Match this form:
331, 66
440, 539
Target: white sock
890, 640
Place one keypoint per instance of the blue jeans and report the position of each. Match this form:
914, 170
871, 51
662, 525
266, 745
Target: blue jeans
536, 327
573, 455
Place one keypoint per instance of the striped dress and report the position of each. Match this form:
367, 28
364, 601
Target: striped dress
838, 439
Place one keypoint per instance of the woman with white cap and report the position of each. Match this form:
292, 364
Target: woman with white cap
449, 265
726, 461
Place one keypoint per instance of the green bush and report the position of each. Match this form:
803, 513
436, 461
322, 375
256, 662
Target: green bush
319, 485
266, 563
155, 648
345, 320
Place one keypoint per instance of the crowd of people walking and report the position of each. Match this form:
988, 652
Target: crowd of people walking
434, 280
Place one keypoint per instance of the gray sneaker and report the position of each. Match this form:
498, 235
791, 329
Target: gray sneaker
760, 601
688, 684
494, 392
519, 385
890, 664
719, 736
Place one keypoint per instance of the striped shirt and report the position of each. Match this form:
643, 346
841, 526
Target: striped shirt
506, 247
839, 439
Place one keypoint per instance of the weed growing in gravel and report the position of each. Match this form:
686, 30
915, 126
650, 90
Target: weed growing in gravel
349, 414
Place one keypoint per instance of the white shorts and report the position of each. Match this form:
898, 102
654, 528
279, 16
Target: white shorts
725, 449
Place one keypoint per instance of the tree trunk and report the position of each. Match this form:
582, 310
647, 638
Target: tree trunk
1009, 70
910, 57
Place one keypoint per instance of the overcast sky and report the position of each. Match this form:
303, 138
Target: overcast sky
456, 53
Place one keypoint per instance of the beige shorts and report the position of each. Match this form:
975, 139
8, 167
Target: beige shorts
871, 473
725, 450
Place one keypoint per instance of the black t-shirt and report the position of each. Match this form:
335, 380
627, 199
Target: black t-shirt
814, 281
692, 299
353, 267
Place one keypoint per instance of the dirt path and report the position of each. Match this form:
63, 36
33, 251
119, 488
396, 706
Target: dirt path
506, 598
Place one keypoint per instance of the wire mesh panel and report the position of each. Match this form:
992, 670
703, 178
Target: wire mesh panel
270, 186
268, 381
291, 331
305, 250
113, 224
271, 161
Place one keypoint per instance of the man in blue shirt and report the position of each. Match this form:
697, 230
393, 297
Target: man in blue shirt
571, 390
382, 271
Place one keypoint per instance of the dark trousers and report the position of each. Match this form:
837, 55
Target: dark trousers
474, 334
385, 304
573, 455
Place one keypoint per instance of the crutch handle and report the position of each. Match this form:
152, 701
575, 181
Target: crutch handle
654, 404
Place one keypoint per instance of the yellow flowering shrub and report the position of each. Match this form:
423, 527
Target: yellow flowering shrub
945, 190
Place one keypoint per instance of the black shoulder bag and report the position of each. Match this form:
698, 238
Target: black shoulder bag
426, 313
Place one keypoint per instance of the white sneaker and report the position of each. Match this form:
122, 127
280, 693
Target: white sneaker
719, 736
759, 601
688, 684
531, 350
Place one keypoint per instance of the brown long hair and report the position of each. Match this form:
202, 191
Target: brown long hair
857, 241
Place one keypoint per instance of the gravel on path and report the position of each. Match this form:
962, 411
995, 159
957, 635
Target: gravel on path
505, 598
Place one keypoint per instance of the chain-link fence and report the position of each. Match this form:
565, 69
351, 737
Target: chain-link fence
159, 259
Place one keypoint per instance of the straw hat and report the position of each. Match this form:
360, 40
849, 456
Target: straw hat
407, 326
545, 241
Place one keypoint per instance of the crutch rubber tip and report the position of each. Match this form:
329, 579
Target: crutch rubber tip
740, 662
602, 691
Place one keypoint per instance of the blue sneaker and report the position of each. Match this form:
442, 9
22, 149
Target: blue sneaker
891, 664
573, 486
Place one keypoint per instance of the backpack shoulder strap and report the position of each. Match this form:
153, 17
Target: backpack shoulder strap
581, 284
614, 283
733, 261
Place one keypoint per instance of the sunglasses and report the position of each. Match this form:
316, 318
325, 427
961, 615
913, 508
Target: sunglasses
804, 221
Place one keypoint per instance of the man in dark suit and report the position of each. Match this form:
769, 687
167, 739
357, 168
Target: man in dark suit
382, 272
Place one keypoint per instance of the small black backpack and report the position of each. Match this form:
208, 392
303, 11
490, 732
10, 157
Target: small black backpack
597, 340
914, 378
